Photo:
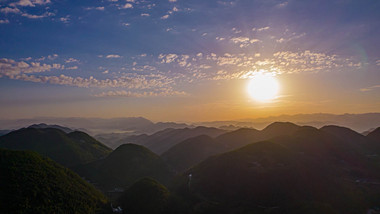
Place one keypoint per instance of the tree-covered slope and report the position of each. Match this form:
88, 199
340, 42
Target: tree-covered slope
191, 151
31, 183
146, 196
124, 166
309, 171
67, 149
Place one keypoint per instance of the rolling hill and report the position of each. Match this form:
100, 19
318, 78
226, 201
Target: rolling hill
31, 183
161, 141
124, 166
191, 151
67, 149
145, 196
308, 171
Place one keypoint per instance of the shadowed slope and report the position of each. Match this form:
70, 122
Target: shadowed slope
31, 183
67, 149
191, 151
125, 165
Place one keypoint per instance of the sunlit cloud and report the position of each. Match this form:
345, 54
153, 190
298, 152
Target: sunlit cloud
371, 88
4, 21
112, 56
123, 93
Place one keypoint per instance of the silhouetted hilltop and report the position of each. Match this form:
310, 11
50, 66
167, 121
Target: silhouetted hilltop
244, 136
238, 138
268, 177
45, 126
191, 151
124, 166
67, 149
31, 183
278, 129
375, 135
161, 141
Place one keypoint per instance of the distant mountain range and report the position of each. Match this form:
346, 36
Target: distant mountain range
161, 141
132, 125
140, 125
357, 122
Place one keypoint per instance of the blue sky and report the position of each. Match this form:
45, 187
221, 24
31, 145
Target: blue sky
187, 60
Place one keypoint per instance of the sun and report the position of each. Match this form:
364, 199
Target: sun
263, 87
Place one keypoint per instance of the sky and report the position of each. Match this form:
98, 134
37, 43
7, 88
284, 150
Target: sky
181, 60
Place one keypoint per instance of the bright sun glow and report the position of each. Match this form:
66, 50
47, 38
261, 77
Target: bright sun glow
263, 87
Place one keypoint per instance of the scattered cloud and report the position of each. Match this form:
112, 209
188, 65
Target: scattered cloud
282, 5
127, 6
52, 57
165, 16
123, 93
243, 41
95, 8
65, 19
31, 16
72, 68
371, 88
30, 3
71, 60
10, 10
112, 56
4, 21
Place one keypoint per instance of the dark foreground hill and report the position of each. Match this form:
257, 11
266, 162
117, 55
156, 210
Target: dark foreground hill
375, 135
308, 171
124, 166
67, 149
146, 196
31, 183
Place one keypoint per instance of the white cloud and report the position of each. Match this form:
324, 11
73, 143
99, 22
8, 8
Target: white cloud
4, 21
65, 19
95, 8
123, 93
243, 41
31, 16
165, 16
10, 10
126, 24
282, 5
71, 60
127, 5
371, 88
172, 0
52, 57
30, 3
262, 29
145, 14
113, 56
72, 68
